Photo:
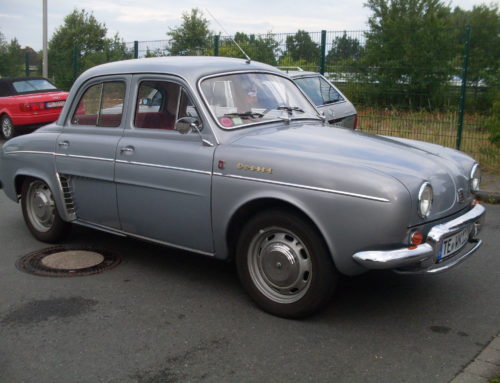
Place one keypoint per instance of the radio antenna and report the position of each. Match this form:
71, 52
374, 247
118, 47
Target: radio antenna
231, 37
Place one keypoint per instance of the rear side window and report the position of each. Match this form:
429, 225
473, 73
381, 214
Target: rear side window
101, 105
319, 90
34, 85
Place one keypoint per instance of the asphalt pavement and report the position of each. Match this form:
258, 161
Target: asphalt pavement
164, 315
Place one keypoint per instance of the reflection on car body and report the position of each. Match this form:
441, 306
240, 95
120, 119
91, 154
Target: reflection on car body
229, 159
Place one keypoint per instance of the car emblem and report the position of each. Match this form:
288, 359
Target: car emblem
460, 195
254, 168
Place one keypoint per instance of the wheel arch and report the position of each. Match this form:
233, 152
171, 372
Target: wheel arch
53, 184
255, 206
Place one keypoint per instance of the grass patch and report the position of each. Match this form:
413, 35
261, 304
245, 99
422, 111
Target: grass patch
436, 127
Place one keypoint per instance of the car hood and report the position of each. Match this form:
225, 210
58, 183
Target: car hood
408, 161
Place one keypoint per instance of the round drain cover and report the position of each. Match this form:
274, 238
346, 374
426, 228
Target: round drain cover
63, 261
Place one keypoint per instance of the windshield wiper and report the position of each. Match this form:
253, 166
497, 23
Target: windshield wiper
248, 114
290, 109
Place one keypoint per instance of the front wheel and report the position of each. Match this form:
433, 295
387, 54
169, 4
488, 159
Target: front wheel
40, 212
8, 129
284, 264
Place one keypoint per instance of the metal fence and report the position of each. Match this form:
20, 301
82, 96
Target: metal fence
433, 93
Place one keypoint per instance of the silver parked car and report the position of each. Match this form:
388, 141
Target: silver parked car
327, 98
231, 160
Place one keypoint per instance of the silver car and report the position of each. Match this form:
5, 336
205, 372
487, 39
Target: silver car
327, 98
232, 161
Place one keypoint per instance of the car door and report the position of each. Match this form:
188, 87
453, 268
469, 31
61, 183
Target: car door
86, 149
163, 177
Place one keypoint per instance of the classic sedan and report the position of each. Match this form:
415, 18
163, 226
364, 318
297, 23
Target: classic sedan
28, 102
327, 98
229, 159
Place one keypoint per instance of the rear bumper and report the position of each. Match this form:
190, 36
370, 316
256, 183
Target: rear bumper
425, 258
36, 119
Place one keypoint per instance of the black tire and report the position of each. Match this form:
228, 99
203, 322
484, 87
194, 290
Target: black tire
40, 212
284, 264
7, 128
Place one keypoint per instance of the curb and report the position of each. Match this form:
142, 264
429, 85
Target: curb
485, 366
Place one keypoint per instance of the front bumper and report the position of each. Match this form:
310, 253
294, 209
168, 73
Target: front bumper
424, 258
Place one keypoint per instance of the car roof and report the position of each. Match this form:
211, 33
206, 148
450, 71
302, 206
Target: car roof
189, 67
7, 89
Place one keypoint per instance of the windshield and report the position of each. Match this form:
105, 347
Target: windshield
247, 98
32, 85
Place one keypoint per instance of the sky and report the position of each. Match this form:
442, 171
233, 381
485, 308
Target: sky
151, 19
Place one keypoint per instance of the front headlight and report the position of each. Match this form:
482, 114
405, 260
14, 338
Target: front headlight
425, 197
475, 178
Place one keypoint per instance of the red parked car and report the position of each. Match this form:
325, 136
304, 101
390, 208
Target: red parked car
28, 103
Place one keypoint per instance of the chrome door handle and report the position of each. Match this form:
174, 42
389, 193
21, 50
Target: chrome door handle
63, 144
127, 149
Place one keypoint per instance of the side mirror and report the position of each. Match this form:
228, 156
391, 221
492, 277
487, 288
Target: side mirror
186, 125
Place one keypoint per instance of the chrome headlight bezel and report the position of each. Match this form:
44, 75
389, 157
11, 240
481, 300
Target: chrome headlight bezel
425, 199
475, 178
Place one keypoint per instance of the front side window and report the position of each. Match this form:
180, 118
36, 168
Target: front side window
319, 90
160, 103
101, 105
248, 98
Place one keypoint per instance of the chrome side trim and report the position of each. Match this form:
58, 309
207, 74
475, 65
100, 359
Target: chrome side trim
28, 152
85, 157
206, 172
424, 258
122, 233
299, 186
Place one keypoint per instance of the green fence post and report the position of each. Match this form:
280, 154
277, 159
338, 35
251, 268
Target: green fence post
463, 88
216, 45
323, 53
74, 63
27, 64
136, 49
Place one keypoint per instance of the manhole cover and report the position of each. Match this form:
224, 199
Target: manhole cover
68, 262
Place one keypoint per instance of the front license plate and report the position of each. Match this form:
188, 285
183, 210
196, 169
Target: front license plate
55, 104
454, 243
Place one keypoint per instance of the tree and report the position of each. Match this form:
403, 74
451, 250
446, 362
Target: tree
192, 37
82, 34
11, 58
263, 48
300, 46
408, 50
344, 48
484, 56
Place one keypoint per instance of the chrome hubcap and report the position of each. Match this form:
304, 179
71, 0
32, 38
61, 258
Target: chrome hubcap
280, 265
6, 128
40, 206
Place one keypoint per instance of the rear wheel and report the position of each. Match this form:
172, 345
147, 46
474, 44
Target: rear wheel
284, 264
40, 212
8, 129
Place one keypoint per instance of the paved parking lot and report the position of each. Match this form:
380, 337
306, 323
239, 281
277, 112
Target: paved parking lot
165, 316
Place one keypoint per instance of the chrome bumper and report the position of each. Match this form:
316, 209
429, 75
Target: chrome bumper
424, 258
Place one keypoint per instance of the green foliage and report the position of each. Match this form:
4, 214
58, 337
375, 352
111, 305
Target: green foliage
192, 37
263, 48
11, 58
83, 35
484, 62
408, 51
344, 48
493, 121
300, 46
